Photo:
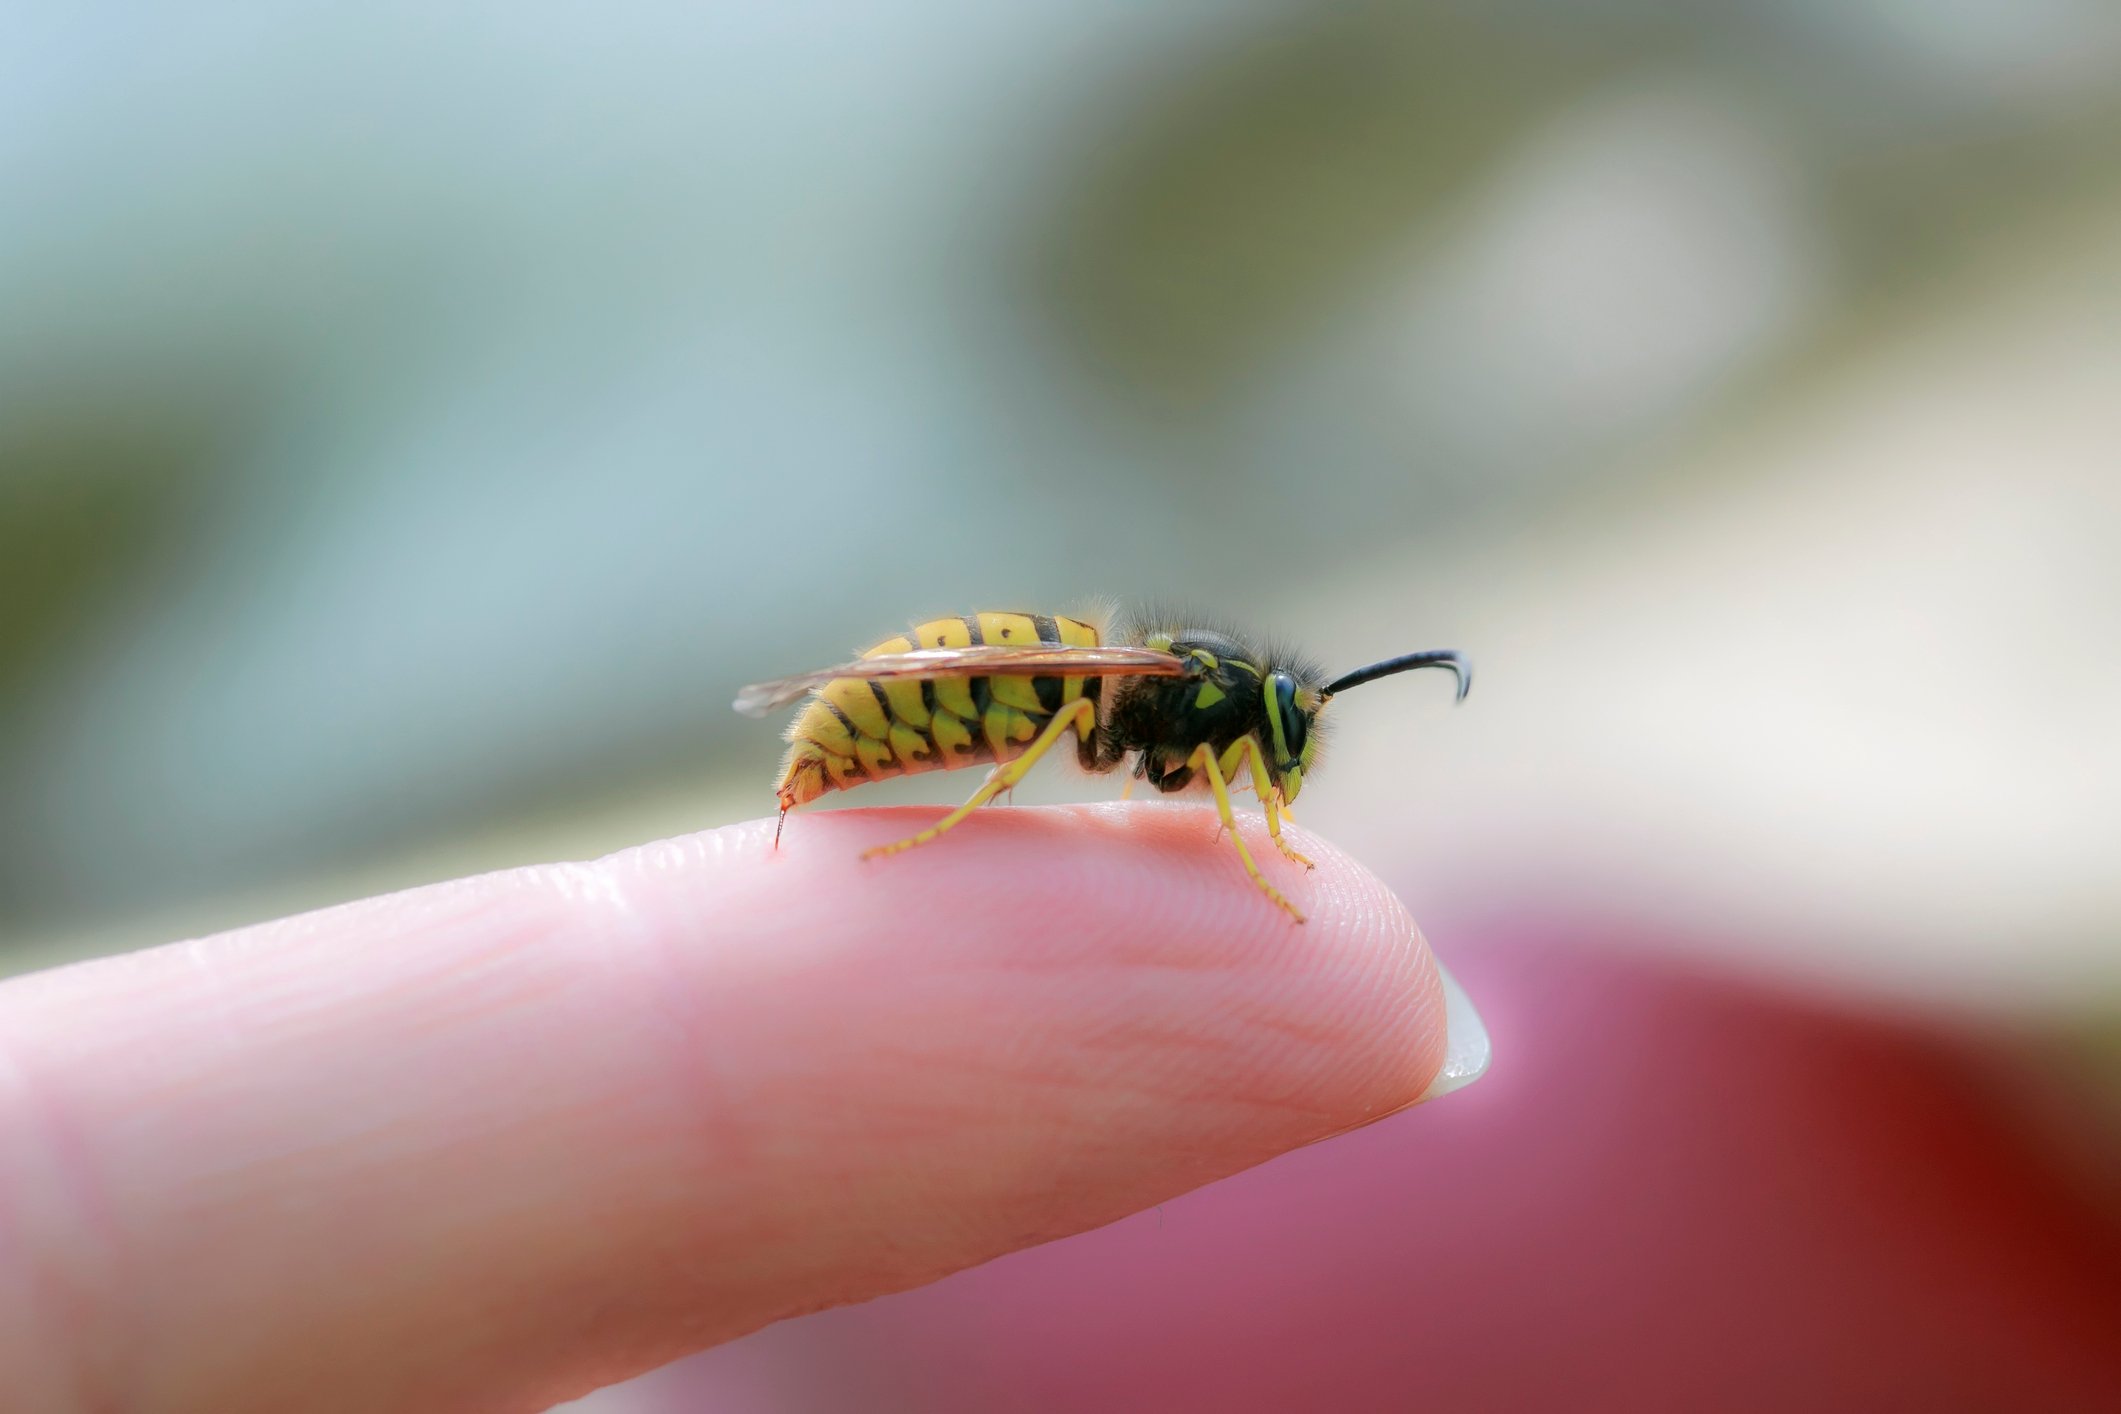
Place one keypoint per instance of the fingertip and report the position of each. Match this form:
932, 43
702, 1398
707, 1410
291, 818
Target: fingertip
1123, 908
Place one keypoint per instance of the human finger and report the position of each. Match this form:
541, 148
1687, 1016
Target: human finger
494, 1142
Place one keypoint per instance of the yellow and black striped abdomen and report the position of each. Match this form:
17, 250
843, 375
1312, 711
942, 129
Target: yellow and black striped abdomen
853, 731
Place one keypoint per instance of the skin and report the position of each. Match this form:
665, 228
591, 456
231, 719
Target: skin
492, 1143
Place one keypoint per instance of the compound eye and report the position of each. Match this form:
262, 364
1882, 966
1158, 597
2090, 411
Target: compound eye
1292, 720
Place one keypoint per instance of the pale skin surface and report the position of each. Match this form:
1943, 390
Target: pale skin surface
492, 1143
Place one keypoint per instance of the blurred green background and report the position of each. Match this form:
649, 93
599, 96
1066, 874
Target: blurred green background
415, 424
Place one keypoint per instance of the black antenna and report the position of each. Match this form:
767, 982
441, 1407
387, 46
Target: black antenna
1457, 662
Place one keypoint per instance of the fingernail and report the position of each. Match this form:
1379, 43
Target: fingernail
1465, 1040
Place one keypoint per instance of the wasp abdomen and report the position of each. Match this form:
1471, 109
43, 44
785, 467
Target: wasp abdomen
854, 731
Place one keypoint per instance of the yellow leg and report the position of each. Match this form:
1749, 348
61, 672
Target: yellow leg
1227, 764
1263, 786
1080, 711
1127, 788
1203, 760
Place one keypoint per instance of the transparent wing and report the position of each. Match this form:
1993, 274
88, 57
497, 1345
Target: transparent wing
988, 660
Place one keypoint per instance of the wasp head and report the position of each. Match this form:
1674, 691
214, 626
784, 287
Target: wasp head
1292, 708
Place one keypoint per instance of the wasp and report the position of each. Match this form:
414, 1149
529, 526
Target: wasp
1186, 704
